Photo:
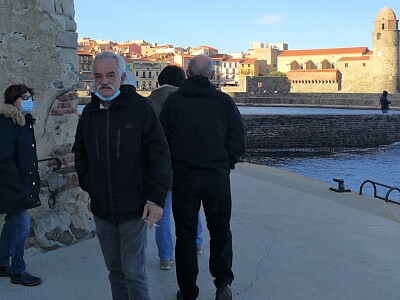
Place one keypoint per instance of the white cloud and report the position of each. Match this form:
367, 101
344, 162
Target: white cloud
270, 19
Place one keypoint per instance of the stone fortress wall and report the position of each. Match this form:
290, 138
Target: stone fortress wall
38, 47
272, 132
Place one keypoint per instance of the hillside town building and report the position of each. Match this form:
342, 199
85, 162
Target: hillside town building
348, 70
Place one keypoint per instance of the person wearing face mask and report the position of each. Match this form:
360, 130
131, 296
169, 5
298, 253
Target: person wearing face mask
19, 181
122, 160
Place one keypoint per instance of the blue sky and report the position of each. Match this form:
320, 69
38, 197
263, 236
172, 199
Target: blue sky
230, 27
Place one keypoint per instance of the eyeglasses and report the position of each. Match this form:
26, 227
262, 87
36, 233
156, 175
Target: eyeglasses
26, 97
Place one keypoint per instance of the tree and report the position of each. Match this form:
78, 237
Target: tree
277, 74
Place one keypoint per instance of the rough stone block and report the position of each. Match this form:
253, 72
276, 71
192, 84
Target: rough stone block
66, 39
47, 5
68, 8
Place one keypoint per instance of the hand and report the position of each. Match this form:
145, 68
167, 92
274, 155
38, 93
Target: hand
154, 212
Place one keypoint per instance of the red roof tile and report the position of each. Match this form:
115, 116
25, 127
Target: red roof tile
355, 58
355, 50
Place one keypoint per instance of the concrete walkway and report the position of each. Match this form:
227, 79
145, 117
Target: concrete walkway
293, 239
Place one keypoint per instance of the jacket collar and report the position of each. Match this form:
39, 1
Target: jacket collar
120, 101
10, 111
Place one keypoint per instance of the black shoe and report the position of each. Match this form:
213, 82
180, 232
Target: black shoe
179, 295
25, 279
224, 293
5, 271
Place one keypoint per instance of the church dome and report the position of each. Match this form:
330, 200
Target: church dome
386, 14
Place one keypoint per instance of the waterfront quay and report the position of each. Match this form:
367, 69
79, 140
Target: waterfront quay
293, 238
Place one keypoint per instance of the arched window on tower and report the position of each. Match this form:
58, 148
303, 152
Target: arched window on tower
378, 36
383, 26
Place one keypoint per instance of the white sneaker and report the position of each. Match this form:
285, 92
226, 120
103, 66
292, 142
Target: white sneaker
165, 264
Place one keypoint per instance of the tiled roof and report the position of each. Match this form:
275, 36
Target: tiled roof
353, 50
314, 70
228, 59
248, 60
84, 52
355, 58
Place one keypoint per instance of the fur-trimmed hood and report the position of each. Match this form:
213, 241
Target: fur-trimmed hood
10, 111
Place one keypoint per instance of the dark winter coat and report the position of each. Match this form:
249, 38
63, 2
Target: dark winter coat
122, 157
384, 102
19, 174
203, 126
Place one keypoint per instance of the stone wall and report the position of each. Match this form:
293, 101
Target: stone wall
321, 131
38, 47
342, 100
260, 85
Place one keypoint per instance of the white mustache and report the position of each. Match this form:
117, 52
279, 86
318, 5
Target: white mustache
100, 86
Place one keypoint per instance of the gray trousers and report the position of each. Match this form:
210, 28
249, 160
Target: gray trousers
124, 250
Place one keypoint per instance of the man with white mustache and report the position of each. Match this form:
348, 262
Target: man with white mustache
123, 162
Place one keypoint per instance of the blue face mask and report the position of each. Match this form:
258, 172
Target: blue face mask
112, 97
26, 106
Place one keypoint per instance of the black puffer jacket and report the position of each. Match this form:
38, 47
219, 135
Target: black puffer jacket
203, 126
122, 157
19, 175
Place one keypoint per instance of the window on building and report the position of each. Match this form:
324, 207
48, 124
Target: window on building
150, 74
137, 73
346, 65
144, 74
378, 36
364, 64
383, 25
248, 65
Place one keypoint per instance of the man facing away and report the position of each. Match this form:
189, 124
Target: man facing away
170, 78
123, 162
206, 136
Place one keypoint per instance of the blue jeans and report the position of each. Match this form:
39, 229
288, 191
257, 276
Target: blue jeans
124, 250
164, 241
12, 241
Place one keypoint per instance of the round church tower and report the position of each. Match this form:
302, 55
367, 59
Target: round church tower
385, 59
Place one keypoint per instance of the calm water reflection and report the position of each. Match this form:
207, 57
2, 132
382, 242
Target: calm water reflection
354, 166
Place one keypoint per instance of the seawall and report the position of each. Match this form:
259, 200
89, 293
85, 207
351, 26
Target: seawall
321, 131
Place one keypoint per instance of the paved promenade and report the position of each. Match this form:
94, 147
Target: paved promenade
293, 239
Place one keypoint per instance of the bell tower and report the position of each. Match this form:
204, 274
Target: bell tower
385, 59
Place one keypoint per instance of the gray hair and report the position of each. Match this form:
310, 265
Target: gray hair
108, 55
201, 65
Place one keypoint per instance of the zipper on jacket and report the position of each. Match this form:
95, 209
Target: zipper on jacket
97, 144
118, 141
110, 194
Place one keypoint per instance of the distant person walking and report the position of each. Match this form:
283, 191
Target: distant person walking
169, 80
123, 162
384, 102
206, 135
19, 181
